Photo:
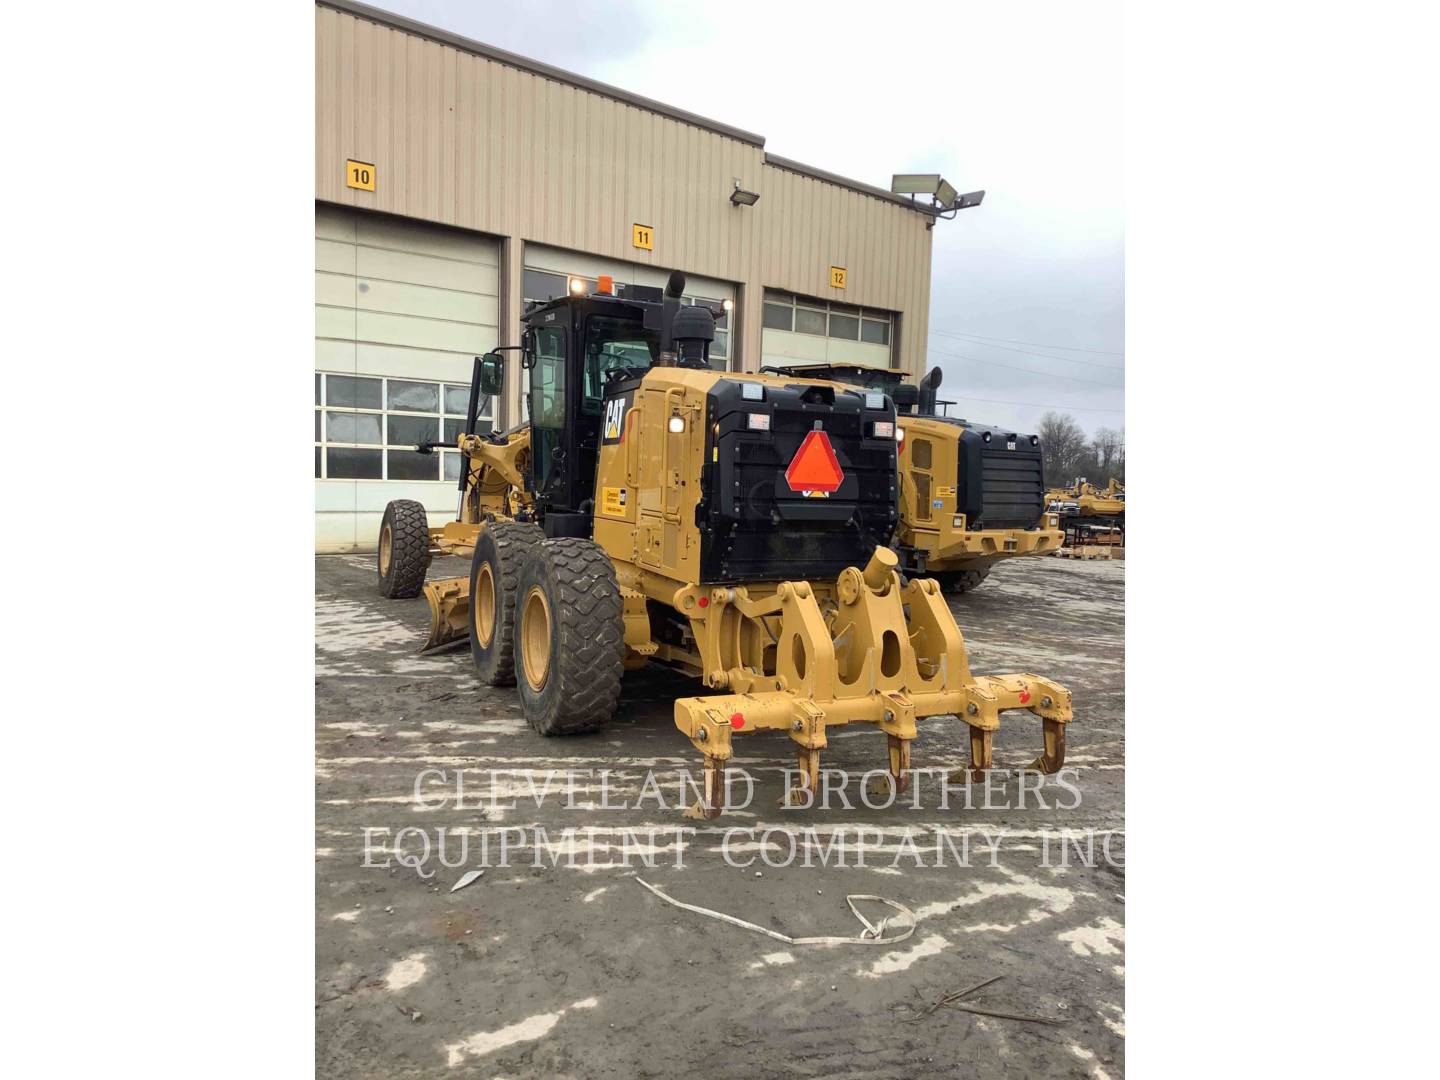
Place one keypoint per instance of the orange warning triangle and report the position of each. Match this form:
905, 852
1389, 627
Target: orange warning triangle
814, 467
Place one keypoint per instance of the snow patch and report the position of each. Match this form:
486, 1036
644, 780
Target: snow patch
527, 1030
1104, 938
405, 973
900, 961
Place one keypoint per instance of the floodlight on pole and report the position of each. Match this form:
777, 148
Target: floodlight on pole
944, 200
945, 193
915, 183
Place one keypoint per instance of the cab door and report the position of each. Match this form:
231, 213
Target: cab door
548, 414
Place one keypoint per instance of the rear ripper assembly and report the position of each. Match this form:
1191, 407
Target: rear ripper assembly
734, 527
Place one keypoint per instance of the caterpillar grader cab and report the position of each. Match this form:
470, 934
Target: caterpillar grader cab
970, 494
735, 527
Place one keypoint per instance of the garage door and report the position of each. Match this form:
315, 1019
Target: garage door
803, 330
401, 310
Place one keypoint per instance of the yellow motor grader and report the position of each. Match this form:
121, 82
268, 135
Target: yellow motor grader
970, 494
1082, 508
732, 526
1089, 500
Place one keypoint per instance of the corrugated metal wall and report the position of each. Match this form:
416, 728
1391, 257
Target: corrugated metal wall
473, 142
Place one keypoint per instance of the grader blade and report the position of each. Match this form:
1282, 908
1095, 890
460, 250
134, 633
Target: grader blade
449, 600
866, 662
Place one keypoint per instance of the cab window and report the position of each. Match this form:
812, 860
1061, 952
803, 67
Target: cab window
618, 346
547, 380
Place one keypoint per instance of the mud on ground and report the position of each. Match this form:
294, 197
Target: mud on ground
576, 970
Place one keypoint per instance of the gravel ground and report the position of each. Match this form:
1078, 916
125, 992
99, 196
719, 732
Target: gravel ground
576, 970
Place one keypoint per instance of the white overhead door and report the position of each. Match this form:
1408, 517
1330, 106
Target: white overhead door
401, 310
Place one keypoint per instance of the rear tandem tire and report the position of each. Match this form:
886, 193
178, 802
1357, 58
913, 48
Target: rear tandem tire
956, 582
500, 550
569, 637
404, 550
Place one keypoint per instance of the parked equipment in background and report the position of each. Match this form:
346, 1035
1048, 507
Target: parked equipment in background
970, 494
1089, 515
732, 526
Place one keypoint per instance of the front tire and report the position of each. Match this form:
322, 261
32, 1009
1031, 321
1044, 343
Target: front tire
569, 637
500, 551
955, 582
404, 552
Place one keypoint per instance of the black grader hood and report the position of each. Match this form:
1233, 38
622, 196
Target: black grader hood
753, 523
1002, 478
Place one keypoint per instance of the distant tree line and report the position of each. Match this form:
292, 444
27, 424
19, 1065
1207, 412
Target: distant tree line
1069, 452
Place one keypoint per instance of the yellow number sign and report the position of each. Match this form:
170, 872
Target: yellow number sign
643, 237
360, 174
837, 277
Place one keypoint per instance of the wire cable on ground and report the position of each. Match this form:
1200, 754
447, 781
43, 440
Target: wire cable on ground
871, 935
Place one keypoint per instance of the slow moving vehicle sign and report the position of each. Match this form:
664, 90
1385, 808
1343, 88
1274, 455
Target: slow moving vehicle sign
814, 468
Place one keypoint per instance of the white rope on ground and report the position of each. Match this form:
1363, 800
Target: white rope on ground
871, 935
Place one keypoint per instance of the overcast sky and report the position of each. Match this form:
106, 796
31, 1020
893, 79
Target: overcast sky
1020, 99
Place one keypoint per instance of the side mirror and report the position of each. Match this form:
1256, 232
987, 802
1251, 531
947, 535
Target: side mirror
492, 374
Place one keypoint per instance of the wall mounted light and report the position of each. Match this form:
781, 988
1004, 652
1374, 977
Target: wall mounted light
741, 197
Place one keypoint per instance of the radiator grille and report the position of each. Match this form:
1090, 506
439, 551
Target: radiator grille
1012, 489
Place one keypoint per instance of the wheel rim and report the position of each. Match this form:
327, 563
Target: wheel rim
385, 552
484, 606
535, 638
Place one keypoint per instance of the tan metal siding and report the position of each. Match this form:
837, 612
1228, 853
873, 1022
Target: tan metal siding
465, 140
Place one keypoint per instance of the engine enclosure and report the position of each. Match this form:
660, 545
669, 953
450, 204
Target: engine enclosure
709, 502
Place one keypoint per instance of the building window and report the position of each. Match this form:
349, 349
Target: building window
779, 317
823, 318
541, 285
366, 428
809, 322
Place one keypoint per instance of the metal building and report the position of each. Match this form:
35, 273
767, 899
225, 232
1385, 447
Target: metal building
454, 182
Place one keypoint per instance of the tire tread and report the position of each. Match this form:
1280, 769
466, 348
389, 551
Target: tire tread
409, 550
588, 662
513, 541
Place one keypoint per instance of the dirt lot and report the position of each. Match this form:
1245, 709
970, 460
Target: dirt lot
576, 970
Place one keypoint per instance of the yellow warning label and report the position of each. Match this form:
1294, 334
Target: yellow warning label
942, 490
815, 494
612, 501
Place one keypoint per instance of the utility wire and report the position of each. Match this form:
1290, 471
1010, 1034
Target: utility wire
1033, 405
1028, 371
1029, 352
1042, 344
